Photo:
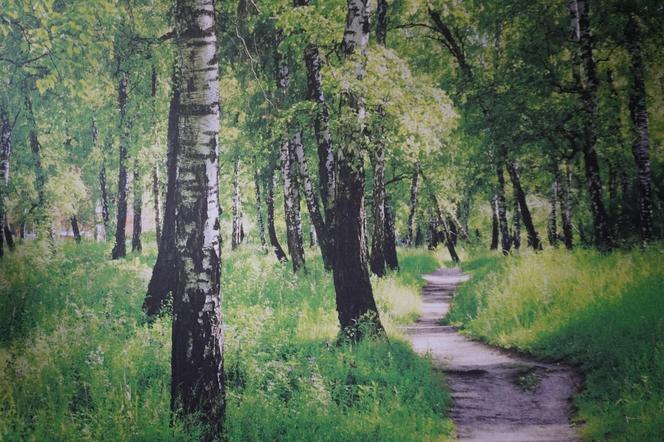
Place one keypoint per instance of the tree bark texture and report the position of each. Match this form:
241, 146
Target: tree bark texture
271, 230
391, 258
5, 155
520, 194
565, 199
506, 242
74, 228
259, 212
354, 295
119, 249
552, 226
413, 205
311, 199
197, 386
494, 224
162, 282
136, 245
579, 10
638, 111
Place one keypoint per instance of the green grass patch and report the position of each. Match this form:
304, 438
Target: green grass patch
603, 313
78, 361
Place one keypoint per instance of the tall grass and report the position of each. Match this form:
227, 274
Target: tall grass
603, 313
78, 361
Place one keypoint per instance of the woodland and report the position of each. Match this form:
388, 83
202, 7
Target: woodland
215, 214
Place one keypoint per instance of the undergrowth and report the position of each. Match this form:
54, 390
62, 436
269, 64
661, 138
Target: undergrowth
79, 362
602, 313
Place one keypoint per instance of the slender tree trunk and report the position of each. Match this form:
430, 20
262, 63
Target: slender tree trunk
494, 223
391, 258
516, 224
5, 155
533, 237
413, 204
105, 208
552, 230
272, 232
259, 212
565, 199
354, 295
377, 261
506, 242
100, 229
136, 245
236, 238
313, 239
43, 219
311, 200
74, 228
197, 386
156, 199
579, 10
163, 279
641, 140
119, 249
419, 236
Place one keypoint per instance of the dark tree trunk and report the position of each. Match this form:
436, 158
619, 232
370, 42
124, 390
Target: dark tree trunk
494, 223
516, 224
5, 155
9, 236
354, 295
381, 22
162, 282
259, 212
533, 237
105, 209
119, 249
433, 235
74, 228
136, 245
419, 236
156, 199
377, 261
442, 223
311, 200
197, 386
615, 167
506, 242
272, 232
641, 140
413, 204
552, 227
391, 258
565, 199
236, 236
579, 10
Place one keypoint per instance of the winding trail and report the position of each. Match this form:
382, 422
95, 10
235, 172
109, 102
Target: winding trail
498, 396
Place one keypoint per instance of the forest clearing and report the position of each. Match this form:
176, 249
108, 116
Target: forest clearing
331, 220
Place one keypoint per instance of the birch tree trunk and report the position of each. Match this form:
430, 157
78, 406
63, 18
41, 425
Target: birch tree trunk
641, 140
377, 262
271, 230
413, 205
506, 242
579, 10
136, 245
494, 223
310, 197
74, 228
259, 212
156, 199
354, 295
119, 249
162, 282
533, 237
197, 386
516, 224
552, 227
102, 211
565, 199
5, 155
236, 233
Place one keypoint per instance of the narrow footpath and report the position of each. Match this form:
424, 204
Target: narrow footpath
498, 396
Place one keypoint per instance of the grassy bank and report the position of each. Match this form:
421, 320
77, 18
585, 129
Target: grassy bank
78, 362
603, 313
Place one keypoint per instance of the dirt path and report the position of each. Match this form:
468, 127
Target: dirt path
497, 396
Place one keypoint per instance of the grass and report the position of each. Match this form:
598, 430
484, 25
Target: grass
602, 313
79, 362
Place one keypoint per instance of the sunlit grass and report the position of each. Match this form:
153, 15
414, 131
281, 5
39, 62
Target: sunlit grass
79, 362
604, 313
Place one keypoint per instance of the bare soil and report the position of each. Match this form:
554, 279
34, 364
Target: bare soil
498, 396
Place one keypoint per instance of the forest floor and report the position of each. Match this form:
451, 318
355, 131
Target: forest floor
498, 395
